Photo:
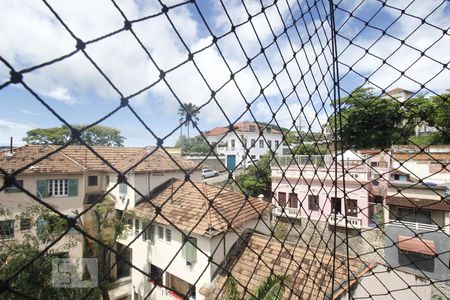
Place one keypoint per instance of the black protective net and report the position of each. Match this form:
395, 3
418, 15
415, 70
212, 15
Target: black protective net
332, 148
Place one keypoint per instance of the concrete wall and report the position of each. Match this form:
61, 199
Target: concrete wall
16, 204
437, 268
421, 170
383, 283
211, 162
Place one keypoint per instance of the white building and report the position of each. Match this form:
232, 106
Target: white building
233, 143
167, 267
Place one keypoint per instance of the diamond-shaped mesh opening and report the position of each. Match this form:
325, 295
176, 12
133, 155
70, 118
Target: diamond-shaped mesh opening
266, 150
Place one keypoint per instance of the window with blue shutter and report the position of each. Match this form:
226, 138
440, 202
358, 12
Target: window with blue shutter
73, 187
149, 234
42, 188
122, 188
189, 251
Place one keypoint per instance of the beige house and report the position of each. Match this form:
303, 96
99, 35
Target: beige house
72, 179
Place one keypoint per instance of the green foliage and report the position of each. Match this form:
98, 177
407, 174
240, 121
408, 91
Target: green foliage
95, 136
281, 231
193, 146
256, 180
188, 115
231, 291
370, 121
442, 116
271, 289
307, 149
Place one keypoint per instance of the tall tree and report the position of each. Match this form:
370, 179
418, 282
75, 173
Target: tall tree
370, 121
188, 115
95, 136
256, 180
442, 116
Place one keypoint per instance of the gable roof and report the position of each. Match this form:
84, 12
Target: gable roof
241, 127
309, 270
57, 163
77, 159
187, 208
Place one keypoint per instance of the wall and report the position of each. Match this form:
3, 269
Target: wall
390, 284
421, 170
16, 203
432, 267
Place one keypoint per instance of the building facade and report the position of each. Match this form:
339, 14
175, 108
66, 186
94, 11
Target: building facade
233, 144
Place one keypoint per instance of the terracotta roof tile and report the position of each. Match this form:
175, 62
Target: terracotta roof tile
76, 159
238, 127
310, 270
187, 207
418, 203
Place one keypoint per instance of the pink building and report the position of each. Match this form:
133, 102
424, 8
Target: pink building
305, 188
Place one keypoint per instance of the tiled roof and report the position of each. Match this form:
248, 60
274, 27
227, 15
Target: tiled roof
187, 207
309, 270
419, 203
239, 127
57, 163
76, 159
423, 156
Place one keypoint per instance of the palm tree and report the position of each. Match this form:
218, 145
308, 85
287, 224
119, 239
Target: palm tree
184, 111
271, 289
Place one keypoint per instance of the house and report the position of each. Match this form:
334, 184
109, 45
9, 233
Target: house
417, 229
305, 187
310, 273
72, 179
177, 252
233, 143
53, 178
428, 164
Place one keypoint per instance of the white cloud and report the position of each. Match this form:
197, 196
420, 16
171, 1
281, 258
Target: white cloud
16, 130
61, 94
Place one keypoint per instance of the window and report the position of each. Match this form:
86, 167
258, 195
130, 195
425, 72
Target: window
374, 164
396, 177
136, 226
12, 188
57, 187
233, 143
269, 129
6, 229
352, 207
160, 233
252, 128
269, 143
335, 205
414, 215
107, 180
123, 188
261, 144
156, 275
189, 251
92, 180
277, 144
313, 202
293, 200
168, 235
253, 156
253, 143
282, 199
149, 234
25, 224
179, 287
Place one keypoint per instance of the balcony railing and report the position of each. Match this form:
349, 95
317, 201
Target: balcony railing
225, 149
414, 225
288, 212
339, 220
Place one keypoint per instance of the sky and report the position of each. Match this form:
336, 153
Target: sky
292, 85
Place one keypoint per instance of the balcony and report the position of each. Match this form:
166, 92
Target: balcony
352, 222
413, 225
288, 212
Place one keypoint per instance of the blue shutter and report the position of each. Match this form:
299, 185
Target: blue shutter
73, 187
42, 188
122, 188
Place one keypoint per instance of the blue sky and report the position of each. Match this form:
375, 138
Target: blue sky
76, 91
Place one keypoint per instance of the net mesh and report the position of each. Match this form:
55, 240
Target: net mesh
334, 180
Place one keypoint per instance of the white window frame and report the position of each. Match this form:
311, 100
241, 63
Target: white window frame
58, 187
168, 233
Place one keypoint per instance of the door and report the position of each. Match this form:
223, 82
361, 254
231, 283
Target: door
231, 162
